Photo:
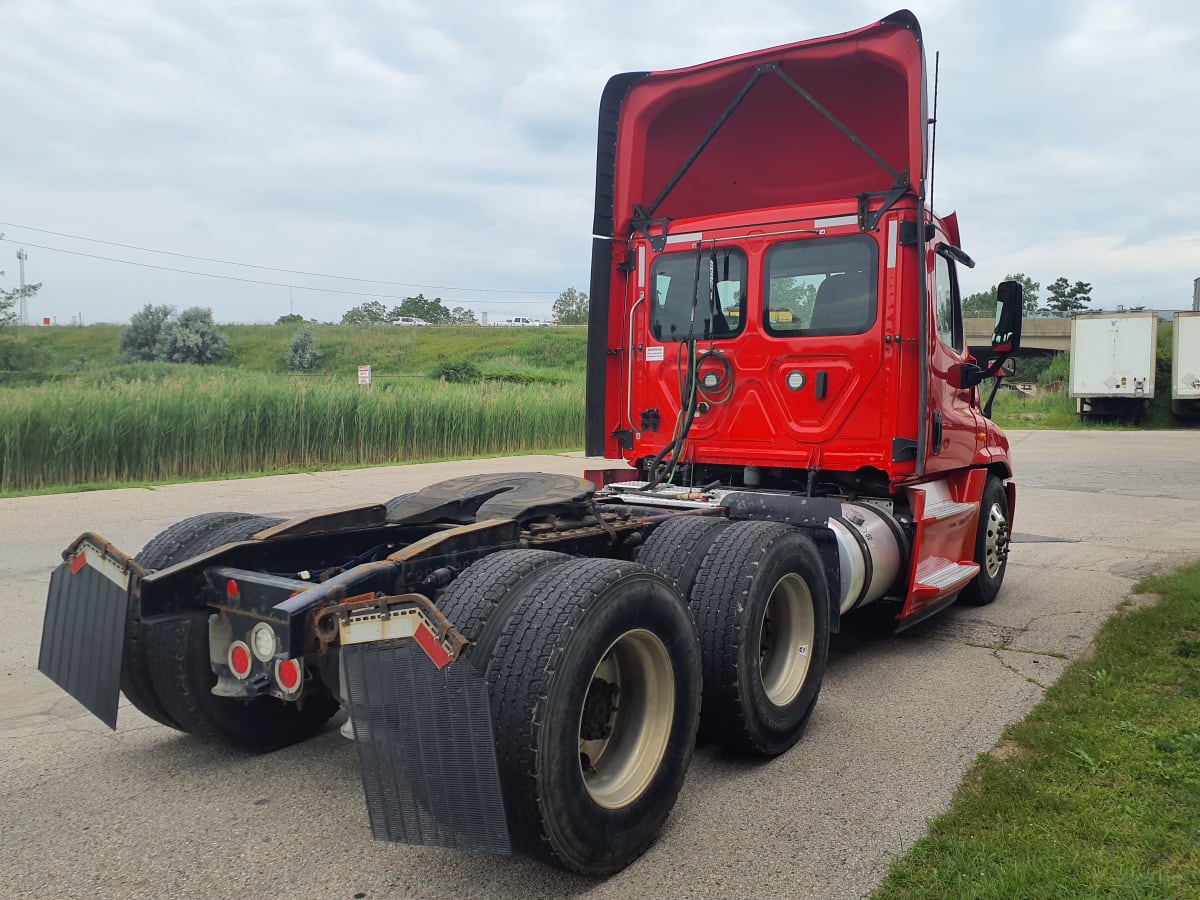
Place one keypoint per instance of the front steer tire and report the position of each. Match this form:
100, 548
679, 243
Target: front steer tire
991, 545
599, 656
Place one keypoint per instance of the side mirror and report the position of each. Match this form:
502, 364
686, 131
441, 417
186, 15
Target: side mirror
1006, 339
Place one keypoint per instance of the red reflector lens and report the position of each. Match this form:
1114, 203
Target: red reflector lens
231, 589
288, 673
239, 659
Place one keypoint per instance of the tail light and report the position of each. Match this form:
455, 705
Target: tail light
289, 675
239, 659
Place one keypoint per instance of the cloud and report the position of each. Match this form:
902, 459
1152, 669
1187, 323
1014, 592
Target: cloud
453, 143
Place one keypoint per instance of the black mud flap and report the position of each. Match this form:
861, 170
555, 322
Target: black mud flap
425, 748
83, 633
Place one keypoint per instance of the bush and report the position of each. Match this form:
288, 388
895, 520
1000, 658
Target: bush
139, 340
156, 334
456, 372
303, 355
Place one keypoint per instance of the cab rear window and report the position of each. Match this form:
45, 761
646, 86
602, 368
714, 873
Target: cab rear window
698, 293
821, 286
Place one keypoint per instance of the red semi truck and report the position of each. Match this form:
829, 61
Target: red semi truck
776, 353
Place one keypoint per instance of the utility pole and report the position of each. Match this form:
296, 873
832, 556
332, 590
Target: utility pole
21, 257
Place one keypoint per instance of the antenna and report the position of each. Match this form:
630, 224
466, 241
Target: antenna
937, 60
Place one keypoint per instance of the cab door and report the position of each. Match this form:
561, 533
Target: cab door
953, 423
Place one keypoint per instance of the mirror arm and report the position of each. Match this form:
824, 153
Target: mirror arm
987, 406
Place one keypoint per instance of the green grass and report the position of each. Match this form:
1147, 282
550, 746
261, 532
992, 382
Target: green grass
1097, 792
193, 423
390, 350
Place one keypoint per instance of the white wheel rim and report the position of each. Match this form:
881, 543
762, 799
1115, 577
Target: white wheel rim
626, 719
786, 639
995, 542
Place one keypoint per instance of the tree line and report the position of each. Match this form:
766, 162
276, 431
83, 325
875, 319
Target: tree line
1063, 297
570, 308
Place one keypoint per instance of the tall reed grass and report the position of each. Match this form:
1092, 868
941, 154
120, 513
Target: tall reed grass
208, 424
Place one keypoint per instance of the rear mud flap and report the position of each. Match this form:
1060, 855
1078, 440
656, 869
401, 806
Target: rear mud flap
425, 748
83, 633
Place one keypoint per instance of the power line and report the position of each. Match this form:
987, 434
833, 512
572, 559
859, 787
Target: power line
229, 262
299, 287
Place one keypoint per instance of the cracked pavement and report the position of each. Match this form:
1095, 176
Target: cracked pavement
145, 811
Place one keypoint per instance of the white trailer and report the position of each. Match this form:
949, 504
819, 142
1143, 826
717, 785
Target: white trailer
1185, 365
1112, 363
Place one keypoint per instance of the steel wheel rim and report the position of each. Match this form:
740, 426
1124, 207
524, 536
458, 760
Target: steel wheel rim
631, 696
786, 639
995, 542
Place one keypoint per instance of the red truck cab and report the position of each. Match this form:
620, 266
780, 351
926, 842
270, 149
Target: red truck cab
774, 304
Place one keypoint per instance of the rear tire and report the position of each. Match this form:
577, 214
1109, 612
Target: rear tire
676, 548
480, 600
174, 651
762, 607
595, 694
991, 545
183, 677
180, 541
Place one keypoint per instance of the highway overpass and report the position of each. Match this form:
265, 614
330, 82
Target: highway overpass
1039, 337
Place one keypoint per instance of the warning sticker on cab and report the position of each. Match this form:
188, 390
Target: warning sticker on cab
654, 354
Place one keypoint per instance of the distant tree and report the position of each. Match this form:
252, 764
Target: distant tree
1066, 297
370, 313
157, 334
139, 340
982, 305
303, 355
461, 316
422, 307
571, 307
10, 302
290, 319
7, 301
191, 337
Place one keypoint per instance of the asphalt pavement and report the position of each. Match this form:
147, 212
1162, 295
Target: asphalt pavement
146, 811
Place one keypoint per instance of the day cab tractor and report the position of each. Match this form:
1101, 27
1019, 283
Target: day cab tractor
778, 372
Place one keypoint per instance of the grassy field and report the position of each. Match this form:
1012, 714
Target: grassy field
391, 350
189, 423
1097, 792
79, 417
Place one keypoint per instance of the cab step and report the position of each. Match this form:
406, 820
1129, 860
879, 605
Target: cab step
946, 509
939, 577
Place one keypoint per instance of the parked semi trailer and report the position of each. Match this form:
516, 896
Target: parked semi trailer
1112, 363
778, 375
1185, 365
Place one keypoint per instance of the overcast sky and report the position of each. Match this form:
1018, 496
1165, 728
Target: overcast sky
453, 144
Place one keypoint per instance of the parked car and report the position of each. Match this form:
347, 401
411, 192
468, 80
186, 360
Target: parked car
410, 320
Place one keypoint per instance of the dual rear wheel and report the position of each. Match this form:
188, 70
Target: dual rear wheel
165, 669
760, 600
593, 674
